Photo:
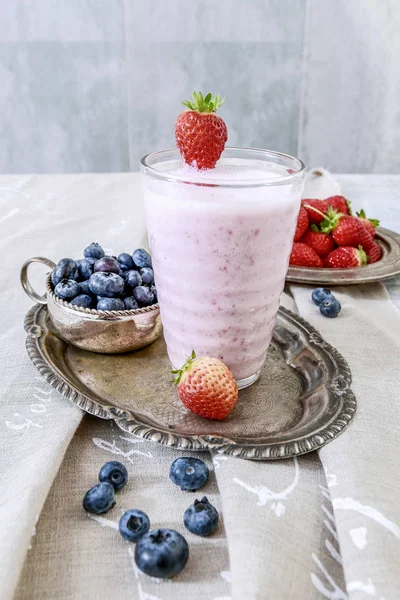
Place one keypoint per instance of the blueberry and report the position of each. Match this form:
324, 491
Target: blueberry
126, 262
154, 290
143, 295
201, 518
162, 553
99, 499
127, 291
106, 284
66, 268
330, 307
84, 287
115, 473
130, 303
83, 300
147, 275
132, 278
67, 289
94, 250
320, 294
189, 473
107, 264
133, 524
85, 267
110, 304
141, 258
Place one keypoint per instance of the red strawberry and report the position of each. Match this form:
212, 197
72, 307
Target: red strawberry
351, 232
346, 257
339, 203
304, 256
302, 224
317, 208
315, 216
322, 243
201, 134
207, 387
369, 224
346, 230
374, 253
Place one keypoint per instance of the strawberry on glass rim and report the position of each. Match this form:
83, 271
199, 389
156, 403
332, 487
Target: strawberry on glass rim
199, 132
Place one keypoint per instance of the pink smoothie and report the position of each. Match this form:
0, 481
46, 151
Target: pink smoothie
220, 256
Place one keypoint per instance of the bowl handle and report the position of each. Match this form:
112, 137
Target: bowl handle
25, 281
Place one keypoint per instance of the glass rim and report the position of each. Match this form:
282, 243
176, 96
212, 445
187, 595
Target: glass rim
297, 174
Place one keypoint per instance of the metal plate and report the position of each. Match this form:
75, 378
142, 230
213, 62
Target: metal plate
387, 267
301, 402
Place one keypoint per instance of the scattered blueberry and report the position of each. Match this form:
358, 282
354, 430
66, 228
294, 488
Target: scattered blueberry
107, 264
126, 261
132, 278
85, 267
83, 300
133, 524
141, 258
201, 518
161, 553
67, 289
143, 295
115, 473
130, 303
330, 307
189, 473
147, 275
110, 304
66, 268
84, 287
320, 294
106, 284
99, 499
94, 250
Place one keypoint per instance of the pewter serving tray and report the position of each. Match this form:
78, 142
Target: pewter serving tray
387, 267
301, 402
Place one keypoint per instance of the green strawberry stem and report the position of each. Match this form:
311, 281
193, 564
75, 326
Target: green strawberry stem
361, 214
349, 207
209, 104
179, 372
330, 220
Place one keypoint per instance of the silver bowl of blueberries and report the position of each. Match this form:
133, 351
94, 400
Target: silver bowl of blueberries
100, 303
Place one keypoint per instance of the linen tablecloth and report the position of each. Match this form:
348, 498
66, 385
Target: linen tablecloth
320, 526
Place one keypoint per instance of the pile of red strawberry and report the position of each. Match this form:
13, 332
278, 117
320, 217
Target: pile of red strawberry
328, 235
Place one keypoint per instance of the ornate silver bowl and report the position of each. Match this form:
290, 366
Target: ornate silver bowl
102, 331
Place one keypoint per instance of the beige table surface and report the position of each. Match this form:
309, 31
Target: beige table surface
74, 557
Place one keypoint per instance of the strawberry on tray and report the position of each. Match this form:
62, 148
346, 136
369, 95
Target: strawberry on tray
329, 236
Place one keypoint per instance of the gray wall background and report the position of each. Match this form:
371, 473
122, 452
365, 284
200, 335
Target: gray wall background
92, 85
